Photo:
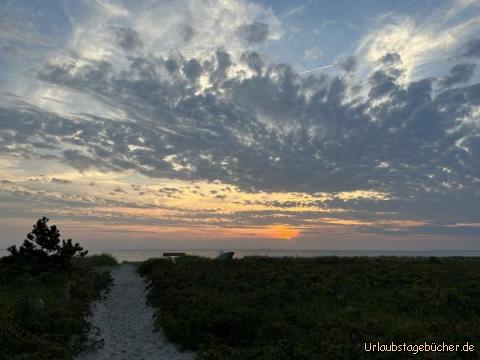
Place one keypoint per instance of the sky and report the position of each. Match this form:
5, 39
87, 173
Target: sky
182, 124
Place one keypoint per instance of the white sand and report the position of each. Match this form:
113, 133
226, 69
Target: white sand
126, 323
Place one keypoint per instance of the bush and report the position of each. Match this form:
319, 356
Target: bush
97, 260
45, 297
314, 308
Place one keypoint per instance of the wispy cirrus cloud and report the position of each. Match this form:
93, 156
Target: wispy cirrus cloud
426, 45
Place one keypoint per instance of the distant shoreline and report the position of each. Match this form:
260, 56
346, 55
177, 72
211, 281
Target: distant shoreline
144, 254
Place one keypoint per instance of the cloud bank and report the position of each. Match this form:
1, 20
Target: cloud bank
197, 100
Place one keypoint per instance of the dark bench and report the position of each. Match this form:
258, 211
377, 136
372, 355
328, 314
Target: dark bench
174, 254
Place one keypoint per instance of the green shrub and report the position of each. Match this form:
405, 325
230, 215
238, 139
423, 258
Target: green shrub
314, 308
97, 260
59, 320
45, 297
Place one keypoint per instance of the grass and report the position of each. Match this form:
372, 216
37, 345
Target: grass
315, 308
97, 260
100, 263
43, 316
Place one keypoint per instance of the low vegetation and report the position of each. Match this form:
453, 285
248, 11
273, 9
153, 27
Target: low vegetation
315, 308
96, 261
46, 288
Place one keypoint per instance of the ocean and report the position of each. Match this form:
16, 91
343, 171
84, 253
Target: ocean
141, 255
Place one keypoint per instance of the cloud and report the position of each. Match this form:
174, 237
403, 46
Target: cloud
274, 130
81, 162
254, 33
390, 59
60, 181
214, 110
472, 48
196, 28
188, 33
312, 54
192, 69
460, 73
424, 44
348, 64
254, 61
128, 39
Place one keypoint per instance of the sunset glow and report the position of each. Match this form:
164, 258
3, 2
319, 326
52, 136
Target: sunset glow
283, 232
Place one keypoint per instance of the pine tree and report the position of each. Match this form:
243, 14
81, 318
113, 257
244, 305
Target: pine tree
43, 249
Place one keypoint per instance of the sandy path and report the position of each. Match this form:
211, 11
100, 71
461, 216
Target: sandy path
125, 322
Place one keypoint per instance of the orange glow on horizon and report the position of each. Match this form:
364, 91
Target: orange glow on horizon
282, 232
274, 232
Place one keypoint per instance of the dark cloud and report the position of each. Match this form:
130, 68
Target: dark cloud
254, 61
169, 190
460, 73
188, 33
127, 38
382, 84
60, 181
273, 131
223, 63
472, 48
348, 64
254, 33
192, 69
82, 162
172, 65
390, 59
